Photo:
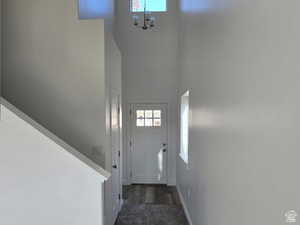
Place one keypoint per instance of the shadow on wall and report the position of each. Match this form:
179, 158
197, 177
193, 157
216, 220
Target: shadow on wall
98, 155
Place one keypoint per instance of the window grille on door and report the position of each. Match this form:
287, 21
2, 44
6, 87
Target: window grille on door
148, 118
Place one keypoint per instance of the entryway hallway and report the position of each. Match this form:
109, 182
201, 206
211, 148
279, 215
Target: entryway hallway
151, 205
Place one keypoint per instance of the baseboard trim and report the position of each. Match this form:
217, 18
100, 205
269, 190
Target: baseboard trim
186, 211
125, 182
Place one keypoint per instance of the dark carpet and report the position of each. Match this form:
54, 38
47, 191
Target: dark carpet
151, 205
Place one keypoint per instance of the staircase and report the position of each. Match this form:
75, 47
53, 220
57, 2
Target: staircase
54, 132
43, 179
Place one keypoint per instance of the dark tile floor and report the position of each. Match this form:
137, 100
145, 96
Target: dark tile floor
151, 205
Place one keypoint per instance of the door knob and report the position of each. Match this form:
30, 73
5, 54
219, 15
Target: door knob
115, 166
164, 150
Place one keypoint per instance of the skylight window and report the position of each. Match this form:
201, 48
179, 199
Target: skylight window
151, 5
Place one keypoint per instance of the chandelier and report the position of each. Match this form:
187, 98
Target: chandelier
148, 21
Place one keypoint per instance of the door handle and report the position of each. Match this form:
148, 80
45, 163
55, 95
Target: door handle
115, 166
164, 150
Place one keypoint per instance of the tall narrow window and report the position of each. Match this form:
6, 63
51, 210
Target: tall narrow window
184, 127
151, 5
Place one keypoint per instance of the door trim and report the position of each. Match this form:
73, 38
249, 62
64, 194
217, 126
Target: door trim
129, 137
118, 96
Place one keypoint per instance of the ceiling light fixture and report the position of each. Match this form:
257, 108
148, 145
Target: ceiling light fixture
148, 19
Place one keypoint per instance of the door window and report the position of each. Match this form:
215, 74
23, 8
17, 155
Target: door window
148, 118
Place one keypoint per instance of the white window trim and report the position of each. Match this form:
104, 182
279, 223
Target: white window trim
184, 150
167, 7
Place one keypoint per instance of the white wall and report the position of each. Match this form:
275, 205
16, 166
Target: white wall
113, 80
240, 60
95, 9
42, 183
149, 69
54, 70
0, 48
60, 70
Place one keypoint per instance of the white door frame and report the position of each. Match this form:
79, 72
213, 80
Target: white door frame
120, 166
130, 137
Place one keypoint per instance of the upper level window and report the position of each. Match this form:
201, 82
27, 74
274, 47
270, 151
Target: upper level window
151, 5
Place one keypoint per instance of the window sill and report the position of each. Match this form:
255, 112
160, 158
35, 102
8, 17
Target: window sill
184, 159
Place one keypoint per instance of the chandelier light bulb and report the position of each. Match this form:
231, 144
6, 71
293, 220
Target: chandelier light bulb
135, 20
147, 21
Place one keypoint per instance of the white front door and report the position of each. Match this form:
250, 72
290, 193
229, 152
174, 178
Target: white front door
116, 153
149, 143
